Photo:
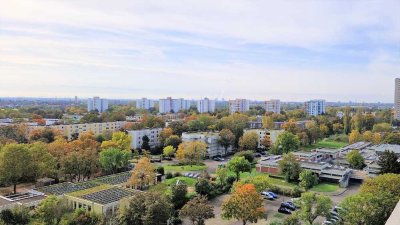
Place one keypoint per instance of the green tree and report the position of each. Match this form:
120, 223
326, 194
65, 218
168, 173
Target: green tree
52, 209
313, 205
204, 187
382, 127
145, 143
389, 162
83, 217
392, 138
260, 182
222, 174
226, 139
15, 164
286, 142
191, 152
173, 140
44, 164
19, 215
169, 151
113, 160
307, 179
178, 195
290, 167
248, 141
238, 165
197, 210
355, 159
249, 155
346, 120
313, 132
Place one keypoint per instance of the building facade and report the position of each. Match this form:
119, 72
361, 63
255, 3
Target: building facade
315, 107
96, 128
397, 99
273, 105
272, 134
137, 137
206, 105
144, 103
210, 138
170, 105
96, 103
239, 105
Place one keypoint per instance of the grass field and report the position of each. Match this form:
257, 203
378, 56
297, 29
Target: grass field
189, 181
325, 144
325, 187
175, 168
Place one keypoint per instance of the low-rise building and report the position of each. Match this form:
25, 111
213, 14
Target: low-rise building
29, 199
210, 138
137, 137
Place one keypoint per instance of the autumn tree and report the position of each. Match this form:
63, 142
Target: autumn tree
15, 164
238, 165
169, 151
313, 132
260, 182
266, 142
165, 134
249, 141
307, 179
313, 205
226, 139
382, 127
44, 164
268, 122
113, 160
286, 142
119, 140
173, 140
143, 174
245, 204
346, 120
355, 159
389, 162
222, 174
290, 167
191, 152
197, 210
354, 136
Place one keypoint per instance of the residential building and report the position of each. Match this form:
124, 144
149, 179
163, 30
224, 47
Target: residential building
96, 103
300, 124
397, 99
273, 134
273, 105
315, 107
144, 103
238, 105
206, 105
210, 138
170, 105
137, 137
257, 123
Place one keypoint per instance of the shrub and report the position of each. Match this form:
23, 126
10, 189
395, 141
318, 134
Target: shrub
230, 180
249, 155
177, 174
169, 175
160, 170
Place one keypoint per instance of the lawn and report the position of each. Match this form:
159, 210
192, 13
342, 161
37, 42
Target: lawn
175, 168
325, 144
272, 180
189, 181
325, 187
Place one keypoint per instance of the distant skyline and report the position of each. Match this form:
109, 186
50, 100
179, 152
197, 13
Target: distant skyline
289, 50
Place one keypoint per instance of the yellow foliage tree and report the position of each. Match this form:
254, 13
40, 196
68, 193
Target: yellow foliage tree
268, 122
119, 140
354, 136
191, 152
143, 175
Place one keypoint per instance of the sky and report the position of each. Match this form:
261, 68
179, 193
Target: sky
293, 50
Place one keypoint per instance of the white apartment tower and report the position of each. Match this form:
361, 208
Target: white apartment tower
239, 105
397, 99
96, 103
315, 107
206, 105
144, 103
273, 105
170, 105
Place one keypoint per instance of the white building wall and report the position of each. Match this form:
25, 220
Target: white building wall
273, 134
211, 139
206, 105
96, 103
144, 103
315, 107
273, 105
137, 135
169, 104
239, 105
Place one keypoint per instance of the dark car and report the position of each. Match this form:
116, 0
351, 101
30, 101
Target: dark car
284, 210
155, 160
257, 155
263, 153
288, 206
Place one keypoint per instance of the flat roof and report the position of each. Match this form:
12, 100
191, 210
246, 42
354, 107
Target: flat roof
383, 147
110, 195
68, 187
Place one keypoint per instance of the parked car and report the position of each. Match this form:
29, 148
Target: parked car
288, 206
272, 194
267, 195
326, 222
257, 155
284, 210
155, 160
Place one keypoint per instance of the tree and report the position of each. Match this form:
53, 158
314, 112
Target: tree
46, 135
244, 204
44, 164
145, 143
197, 210
382, 128
113, 160
204, 187
368, 136
266, 142
165, 134
392, 138
289, 167
169, 151
355, 159
248, 141
307, 179
357, 121
191, 152
238, 165
173, 140
346, 120
19, 215
290, 126
354, 136
226, 139
52, 209
268, 122
119, 140
260, 182
313, 205
286, 142
248, 155
313, 132
145, 208
83, 217
143, 175
222, 174
389, 163
15, 164
178, 195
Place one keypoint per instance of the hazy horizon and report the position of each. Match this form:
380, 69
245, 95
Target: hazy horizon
293, 50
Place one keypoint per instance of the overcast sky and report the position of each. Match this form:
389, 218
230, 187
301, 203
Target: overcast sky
292, 50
